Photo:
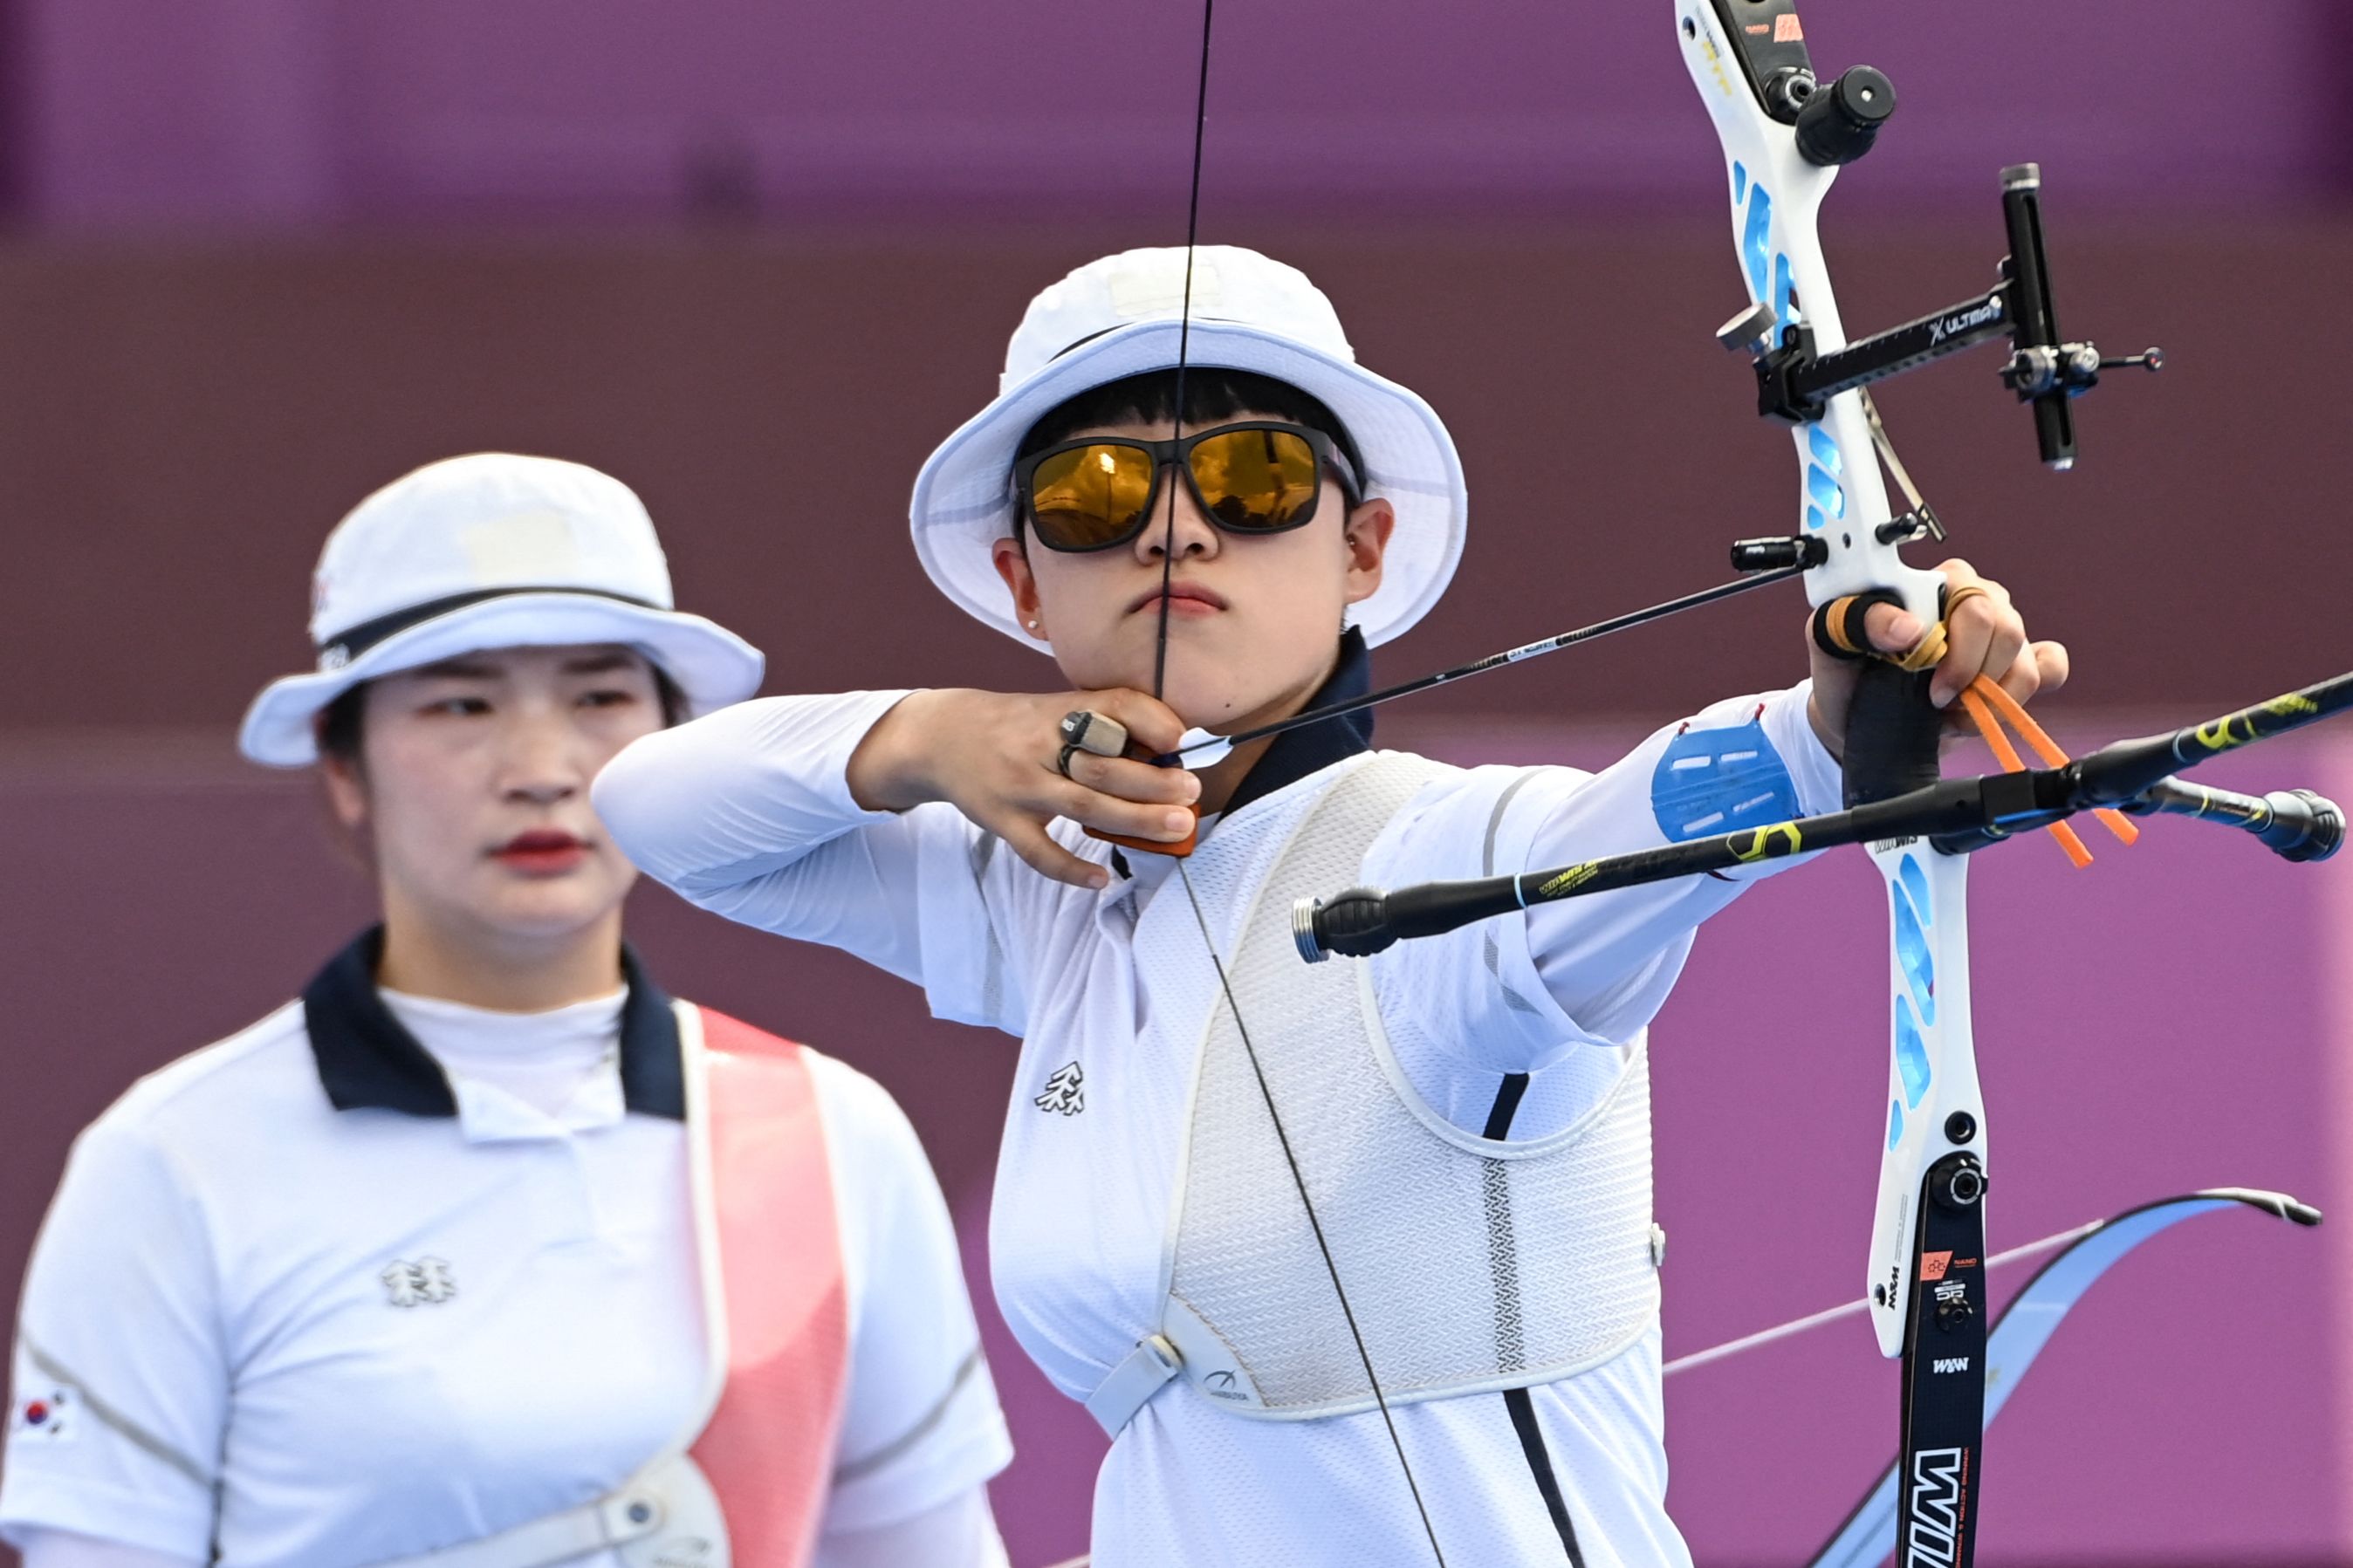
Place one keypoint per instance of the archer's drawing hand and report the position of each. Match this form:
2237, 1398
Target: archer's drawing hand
1985, 635
997, 757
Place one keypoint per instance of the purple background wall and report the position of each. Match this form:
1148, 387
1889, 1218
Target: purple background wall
267, 253
298, 112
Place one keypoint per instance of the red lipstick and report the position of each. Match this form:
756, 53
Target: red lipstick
542, 852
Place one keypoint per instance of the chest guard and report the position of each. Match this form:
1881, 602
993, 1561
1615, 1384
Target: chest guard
747, 1482
1473, 1264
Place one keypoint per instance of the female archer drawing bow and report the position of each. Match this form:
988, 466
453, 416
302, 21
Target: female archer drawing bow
1785, 135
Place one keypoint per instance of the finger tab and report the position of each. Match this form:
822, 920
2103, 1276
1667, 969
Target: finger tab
1178, 847
1097, 734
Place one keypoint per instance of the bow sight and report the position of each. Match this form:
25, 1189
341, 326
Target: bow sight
1837, 124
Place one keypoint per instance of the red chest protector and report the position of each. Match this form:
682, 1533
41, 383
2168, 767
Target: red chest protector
768, 1447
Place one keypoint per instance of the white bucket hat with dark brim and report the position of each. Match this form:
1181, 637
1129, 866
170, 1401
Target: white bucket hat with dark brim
486, 552
1125, 315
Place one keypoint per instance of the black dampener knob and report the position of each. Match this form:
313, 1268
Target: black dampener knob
1840, 121
2305, 826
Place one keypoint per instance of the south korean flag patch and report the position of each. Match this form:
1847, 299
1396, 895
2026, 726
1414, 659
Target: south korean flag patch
45, 1415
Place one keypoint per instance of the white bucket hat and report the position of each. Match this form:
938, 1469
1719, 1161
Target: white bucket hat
487, 551
1122, 316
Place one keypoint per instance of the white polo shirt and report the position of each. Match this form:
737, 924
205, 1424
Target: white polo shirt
1526, 1018
318, 1294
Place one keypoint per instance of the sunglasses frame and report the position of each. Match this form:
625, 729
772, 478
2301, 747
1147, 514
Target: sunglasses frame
1177, 453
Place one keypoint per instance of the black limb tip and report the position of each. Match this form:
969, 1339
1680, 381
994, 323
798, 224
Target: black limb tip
2305, 826
1839, 122
1354, 923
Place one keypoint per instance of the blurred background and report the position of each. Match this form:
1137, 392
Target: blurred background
261, 255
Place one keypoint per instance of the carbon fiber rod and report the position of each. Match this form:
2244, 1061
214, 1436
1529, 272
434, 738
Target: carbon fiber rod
1801, 560
1958, 814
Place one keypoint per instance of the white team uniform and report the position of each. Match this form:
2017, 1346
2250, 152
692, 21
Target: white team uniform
748, 813
288, 1309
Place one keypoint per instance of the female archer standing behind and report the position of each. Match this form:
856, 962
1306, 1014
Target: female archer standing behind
1469, 1114
485, 1253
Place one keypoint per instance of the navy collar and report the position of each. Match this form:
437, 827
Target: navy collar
367, 1060
1311, 748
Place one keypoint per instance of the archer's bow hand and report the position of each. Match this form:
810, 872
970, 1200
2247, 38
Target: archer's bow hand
1982, 634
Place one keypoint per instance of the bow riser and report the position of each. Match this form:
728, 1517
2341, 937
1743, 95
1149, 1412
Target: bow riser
1926, 1274
1776, 197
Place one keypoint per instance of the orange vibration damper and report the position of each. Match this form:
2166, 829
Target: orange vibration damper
1989, 705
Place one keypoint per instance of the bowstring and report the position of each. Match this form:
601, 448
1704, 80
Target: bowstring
1184, 346
1315, 1221
1208, 942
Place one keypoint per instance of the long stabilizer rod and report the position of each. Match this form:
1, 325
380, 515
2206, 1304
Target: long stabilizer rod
1958, 813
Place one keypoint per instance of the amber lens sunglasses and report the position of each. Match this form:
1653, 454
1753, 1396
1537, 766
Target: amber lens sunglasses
1257, 477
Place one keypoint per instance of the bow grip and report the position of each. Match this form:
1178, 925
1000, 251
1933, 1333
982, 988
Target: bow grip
1893, 731
1893, 734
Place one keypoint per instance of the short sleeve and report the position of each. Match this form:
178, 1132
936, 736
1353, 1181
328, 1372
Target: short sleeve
120, 1387
920, 1424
